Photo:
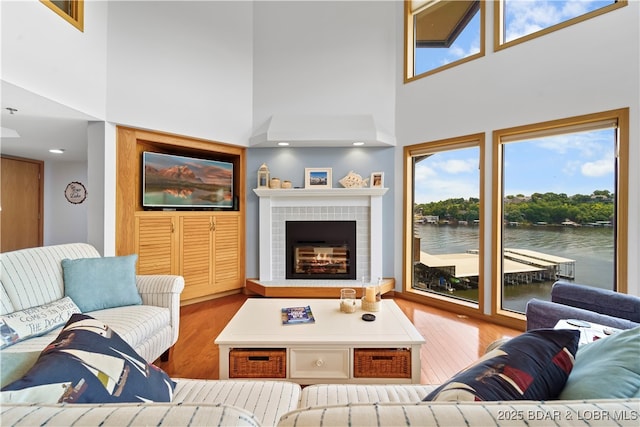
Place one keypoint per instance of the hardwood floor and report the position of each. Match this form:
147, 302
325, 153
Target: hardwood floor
452, 341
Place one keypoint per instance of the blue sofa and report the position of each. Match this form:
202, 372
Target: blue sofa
575, 301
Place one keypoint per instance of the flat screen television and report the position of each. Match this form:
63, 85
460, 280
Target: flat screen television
171, 181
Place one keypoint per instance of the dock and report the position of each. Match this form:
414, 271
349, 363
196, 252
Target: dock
461, 270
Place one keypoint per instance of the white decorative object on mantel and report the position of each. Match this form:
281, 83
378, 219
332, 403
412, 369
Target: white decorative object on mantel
353, 180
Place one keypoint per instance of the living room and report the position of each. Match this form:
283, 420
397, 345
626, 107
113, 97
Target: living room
262, 78
219, 71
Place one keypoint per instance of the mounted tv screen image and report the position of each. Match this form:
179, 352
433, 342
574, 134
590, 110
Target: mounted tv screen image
171, 181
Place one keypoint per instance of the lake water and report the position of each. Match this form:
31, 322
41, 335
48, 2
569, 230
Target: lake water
591, 247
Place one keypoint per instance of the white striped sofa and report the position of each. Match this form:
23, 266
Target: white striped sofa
195, 403
402, 405
282, 404
33, 277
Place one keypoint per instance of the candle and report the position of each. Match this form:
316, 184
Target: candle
370, 295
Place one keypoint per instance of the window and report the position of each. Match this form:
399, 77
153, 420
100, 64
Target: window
558, 208
561, 191
444, 212
440, 34
517, 21
70, 10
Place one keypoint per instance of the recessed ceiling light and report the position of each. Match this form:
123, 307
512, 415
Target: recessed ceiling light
57, 150
358, 143
283, 144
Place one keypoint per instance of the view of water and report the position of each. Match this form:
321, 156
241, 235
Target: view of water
591, 247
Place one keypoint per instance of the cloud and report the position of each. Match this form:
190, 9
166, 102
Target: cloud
526, 17
571, 167
598, 168
434, 190
587, 145
451, 166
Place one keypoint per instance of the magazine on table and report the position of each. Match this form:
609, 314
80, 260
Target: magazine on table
293, 315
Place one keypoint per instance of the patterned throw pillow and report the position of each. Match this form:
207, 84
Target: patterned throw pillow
90, 363
35, 321
531, 366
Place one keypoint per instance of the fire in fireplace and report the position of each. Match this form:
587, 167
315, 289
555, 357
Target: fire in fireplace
320, 250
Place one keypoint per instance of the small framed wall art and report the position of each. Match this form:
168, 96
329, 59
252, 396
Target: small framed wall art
377, 180
317, 177
75, 192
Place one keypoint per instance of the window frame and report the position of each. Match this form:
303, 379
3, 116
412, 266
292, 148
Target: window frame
442, 301
498, 24
561, 126
77, 13
409, 57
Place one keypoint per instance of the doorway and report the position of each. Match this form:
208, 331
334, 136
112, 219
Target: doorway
21, 204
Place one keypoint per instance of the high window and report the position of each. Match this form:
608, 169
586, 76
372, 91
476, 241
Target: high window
517, 21
440, 34
71, 11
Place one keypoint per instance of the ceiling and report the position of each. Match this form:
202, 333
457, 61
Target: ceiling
42, 125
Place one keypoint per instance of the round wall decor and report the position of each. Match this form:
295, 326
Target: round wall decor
75, 192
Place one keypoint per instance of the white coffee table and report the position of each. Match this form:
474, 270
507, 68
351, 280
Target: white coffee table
589, 331
337, 348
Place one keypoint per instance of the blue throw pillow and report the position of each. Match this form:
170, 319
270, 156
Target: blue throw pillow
608, 368
15, 364
89, 363
531, 366
98, 283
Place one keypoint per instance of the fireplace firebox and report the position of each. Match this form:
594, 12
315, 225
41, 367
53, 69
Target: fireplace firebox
320, 250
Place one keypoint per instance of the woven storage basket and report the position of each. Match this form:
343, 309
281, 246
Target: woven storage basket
258, 363
382, 363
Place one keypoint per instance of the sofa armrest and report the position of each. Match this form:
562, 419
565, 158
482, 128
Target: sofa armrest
545, 314
601, 301
163, 291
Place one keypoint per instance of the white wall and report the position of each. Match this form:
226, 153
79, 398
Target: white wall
324, 57
64, 222
182, 67
44, 54
586, 68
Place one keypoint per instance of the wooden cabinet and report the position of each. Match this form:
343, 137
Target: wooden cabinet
202, 247
156, 244
205, 247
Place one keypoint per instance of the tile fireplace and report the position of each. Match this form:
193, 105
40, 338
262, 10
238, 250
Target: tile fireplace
361, 207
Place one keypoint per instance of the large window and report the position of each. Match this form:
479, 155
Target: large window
561, 206
558, 211
442, 33
517, 21
445, 217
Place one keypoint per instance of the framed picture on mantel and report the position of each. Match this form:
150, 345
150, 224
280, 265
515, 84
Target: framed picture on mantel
317, 177
377, 180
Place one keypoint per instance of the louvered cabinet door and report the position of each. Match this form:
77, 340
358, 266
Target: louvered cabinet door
228, 267
156, 244
196, 255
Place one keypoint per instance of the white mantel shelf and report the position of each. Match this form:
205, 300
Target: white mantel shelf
319, 192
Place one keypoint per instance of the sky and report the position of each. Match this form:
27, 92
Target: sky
570, 164
522, 17
578, 163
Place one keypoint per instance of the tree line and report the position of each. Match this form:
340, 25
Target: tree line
549, 208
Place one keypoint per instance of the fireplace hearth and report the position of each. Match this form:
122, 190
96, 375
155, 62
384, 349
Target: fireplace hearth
321, 250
